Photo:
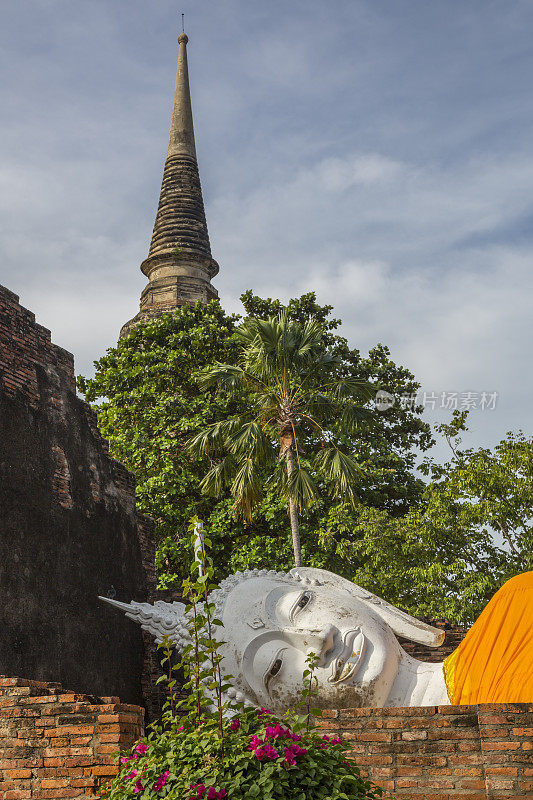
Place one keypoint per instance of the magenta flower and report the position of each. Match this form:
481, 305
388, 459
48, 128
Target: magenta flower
138, 787
263, 711
255, 742
141, 749
278, 732
266, 751
221, 794
211, 793
235, 725
160, 782
291, 753
131, 775
125, 759
274, 731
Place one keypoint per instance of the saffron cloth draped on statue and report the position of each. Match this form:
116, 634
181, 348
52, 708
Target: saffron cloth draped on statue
494, 662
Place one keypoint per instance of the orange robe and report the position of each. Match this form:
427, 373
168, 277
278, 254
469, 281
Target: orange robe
494, 662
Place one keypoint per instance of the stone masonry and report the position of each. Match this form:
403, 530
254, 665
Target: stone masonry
179, 266
69, 529
56, 744
480, 752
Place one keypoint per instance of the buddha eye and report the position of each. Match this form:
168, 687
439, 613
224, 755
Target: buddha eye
275, 668
302, 602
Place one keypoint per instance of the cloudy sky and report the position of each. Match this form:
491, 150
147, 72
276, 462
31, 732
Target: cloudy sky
379, 152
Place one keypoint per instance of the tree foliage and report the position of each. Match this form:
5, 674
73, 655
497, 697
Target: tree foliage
447, 556
299, 415
149, 402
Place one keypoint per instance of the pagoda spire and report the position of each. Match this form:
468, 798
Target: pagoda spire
181, 139
179, 266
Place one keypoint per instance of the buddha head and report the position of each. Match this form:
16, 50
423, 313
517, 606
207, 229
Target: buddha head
273, 622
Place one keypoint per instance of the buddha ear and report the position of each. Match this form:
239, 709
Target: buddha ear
401, 623
160, 619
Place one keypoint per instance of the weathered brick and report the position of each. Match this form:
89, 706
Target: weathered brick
71, 759
453, 753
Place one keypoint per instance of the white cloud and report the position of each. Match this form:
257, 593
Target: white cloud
381, 158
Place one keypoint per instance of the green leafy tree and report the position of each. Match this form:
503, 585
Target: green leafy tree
149, 403
298, 413
447, 556
488, 489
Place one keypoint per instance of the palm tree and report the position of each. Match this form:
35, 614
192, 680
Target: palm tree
299, 409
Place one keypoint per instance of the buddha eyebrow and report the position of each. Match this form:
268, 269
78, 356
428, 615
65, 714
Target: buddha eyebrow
270, 606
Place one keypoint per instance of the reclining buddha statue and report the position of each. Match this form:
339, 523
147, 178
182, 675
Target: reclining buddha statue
272, 621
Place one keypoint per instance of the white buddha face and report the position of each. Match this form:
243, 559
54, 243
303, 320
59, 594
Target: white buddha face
272, 624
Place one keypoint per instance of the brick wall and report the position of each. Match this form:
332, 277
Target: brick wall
69, 529
56, 744
480, 752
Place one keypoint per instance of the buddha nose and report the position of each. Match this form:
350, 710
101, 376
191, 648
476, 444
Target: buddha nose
326, 637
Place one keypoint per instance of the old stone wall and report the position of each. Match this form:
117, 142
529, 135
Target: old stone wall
69, 530
56, 744
480, 752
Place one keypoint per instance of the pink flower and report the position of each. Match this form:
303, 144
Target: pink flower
263, 711
200, 789
125, 759
336, 740
255, 742
266, 751
221, 794
278, 732
160, 782
235, 725
131, 775
138, 787
291, 753
141, 748
212, 793
274, 731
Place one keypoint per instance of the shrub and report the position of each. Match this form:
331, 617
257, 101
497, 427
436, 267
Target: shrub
259, 756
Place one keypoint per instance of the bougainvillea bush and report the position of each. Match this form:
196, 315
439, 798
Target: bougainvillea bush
259, 756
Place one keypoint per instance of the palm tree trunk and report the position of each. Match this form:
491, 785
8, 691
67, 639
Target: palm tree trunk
293, 513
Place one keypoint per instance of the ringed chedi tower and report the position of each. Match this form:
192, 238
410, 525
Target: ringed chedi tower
179, 266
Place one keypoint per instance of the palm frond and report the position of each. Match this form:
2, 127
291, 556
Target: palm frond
250, 439
246, 489
351, 388
302, 488
349, 417
225, 376
340, 470
218, 478
212, 438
